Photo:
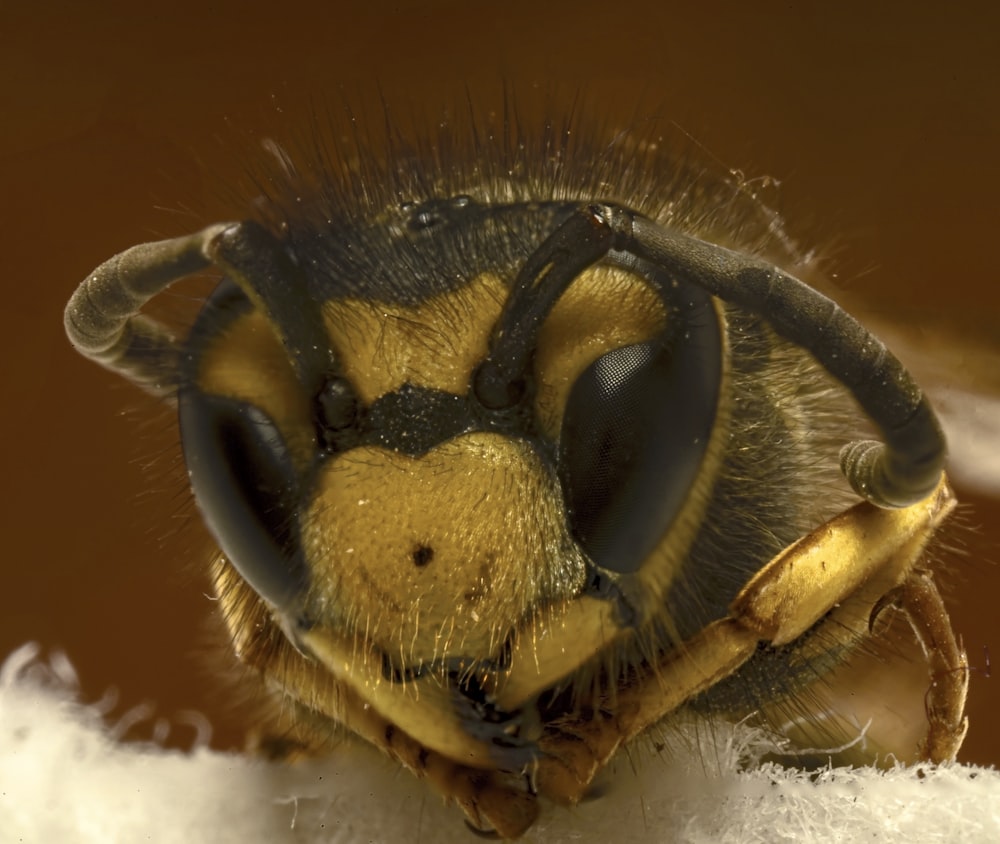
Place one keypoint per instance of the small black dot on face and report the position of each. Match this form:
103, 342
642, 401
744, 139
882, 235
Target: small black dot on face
422, 555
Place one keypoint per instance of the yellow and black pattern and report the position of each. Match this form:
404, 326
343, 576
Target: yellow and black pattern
516, 439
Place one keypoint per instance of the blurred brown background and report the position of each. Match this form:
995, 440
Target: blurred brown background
881, 123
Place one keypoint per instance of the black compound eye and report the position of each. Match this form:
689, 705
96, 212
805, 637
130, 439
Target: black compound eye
247, 489
635, 430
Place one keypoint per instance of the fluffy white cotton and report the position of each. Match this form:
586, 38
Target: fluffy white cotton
971, 422
64, 778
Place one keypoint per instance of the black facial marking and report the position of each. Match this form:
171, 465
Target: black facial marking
422, 555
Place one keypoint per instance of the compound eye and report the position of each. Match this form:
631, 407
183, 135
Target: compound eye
247, 489
635, 429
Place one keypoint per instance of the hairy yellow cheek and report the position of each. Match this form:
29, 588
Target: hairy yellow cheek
438, 556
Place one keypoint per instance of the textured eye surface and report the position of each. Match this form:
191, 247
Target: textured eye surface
635, 431
245, 480
246, 487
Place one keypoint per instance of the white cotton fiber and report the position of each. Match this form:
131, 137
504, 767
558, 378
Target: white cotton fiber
64, 778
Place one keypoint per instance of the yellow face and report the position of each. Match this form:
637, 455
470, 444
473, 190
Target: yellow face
505, 476
478, 548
